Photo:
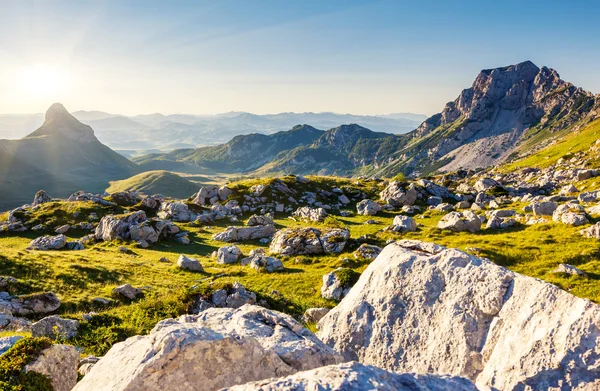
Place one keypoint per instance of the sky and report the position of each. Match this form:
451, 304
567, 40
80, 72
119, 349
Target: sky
267, 56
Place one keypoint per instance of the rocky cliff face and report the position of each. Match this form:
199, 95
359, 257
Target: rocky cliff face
486, 123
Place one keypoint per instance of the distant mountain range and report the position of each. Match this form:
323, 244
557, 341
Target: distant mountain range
507, 112
158, 132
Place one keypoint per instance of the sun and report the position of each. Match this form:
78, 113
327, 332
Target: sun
43, 81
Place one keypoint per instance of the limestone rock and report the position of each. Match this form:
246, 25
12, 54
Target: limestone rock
217, 348
592, 232
544, 208
228, 254
127, 291
190, 264
570, 214
236, 234
45, 243
355, 376
176, 211
55, 327
314, 315
41, 197
334, 287
404, 224
268, 264
367, 251
59, 363
296, 241
460, 222
428, 309
259, 220
307, 213
368, 208
7, 343
396, 194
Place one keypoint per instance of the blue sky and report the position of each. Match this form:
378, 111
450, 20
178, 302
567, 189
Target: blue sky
358, 56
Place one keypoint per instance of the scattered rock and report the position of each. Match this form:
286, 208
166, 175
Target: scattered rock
41, 197
569, 269
59, 363
460, 222
368, 208
55, 327
404, 224
190, 264
396, 194
307, 213
46, 243
304, 241
337, 284
236, 234
259, 220
367, 251
314, 315
127, 291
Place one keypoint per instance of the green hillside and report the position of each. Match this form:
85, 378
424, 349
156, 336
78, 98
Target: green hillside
156, 182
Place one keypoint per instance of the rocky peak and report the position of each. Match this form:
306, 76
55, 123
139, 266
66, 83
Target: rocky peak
59, 121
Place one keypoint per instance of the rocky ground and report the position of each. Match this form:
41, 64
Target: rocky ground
145, 292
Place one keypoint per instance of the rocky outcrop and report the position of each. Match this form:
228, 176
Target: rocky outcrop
296, 241
367, 251
35, 304
214, 349
135, 226
236, 234
423, 308
460, 222
259, 220
404, 224
228, 254
355, 376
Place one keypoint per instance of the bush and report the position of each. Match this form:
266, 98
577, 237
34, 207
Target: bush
12, 363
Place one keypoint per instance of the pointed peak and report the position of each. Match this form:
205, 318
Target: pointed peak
56, 110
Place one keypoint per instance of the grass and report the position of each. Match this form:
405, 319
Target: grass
12, 363
570, 144
157, 182
77, 277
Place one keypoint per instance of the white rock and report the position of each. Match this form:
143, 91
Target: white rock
427, 309
191, 264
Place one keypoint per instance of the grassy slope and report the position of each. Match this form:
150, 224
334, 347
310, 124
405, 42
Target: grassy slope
79, 276
156, 182
569, 144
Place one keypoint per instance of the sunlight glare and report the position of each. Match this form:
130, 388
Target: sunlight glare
43, 81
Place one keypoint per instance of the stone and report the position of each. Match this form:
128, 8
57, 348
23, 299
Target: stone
176, 211
307, 213
367, 251
55, 327
236, 234
217, 348
343, 199
544, 208
305, 241
34, 304
334, 288
314, 315
423, 308
59, 363
592, 232
569, 269
190, 264
127, 291
404, 224
224, 192
239, 296
485, 184
463, 205
46, 243
41, 197
570, 214
368, 207
259, 220
460, 222
267, 264
228, 254
355, 376
434, 200
397, 195
113, 227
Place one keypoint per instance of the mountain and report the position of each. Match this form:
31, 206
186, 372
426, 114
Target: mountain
507, 113
61, 156
157, 182
241, 154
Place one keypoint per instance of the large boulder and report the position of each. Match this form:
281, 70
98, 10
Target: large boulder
398, 194
113, 227
217, 348
543, 208
306, 213
261, 262
236, 234
296, 241
176, 211
368, 207
570, 214
422, 308
355, 376
45, 243
460, 222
